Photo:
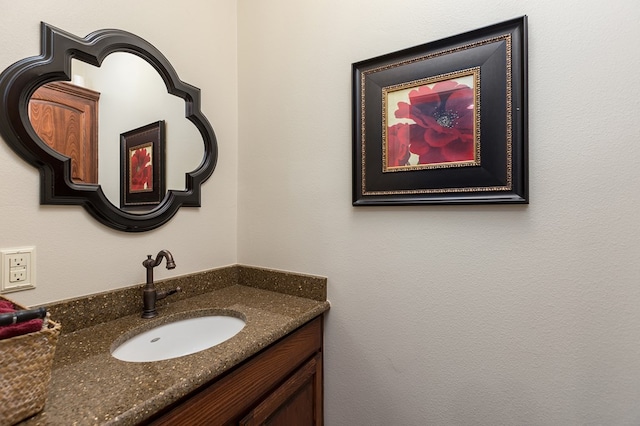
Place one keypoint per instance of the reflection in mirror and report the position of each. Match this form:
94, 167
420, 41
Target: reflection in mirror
136, 115
65, 117
124, 93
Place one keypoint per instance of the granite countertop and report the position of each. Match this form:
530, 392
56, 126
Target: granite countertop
88, 386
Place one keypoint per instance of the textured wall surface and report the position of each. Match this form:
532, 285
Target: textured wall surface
441, 315
461, 315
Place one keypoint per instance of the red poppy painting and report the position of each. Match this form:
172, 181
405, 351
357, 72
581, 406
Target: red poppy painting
431, 125
444, 122
141, 168
142, 164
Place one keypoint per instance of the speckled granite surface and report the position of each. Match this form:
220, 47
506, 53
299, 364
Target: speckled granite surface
89, 386
308, 286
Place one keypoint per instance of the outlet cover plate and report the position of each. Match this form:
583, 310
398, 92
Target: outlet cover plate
18, 263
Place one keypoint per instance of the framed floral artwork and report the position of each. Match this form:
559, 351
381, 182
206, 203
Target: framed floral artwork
142, 165
444, 122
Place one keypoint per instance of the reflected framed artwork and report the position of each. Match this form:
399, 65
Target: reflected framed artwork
444, 122
142, 164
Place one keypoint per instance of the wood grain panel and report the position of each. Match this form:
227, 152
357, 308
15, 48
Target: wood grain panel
66, 118
293, 402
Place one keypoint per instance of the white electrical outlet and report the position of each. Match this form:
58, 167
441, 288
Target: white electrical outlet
18, 268
17, 275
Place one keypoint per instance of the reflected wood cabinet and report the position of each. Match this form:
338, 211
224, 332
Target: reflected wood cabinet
281, 385
65, 117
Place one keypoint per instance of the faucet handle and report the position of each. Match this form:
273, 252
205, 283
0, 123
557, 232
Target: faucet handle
174, 291
164, 293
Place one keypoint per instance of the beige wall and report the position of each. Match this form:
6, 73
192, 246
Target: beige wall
75, 254
461, 315
441, 315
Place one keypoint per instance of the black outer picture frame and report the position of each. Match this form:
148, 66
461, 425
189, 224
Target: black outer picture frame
499, 53
152, 134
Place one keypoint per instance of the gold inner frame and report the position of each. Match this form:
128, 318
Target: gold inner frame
148, 147
472, 72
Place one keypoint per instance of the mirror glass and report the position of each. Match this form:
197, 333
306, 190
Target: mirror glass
111, 127
129, 94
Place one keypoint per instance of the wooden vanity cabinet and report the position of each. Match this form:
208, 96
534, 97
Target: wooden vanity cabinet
281, 385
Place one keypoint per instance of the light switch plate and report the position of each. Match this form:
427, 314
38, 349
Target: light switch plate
18, 269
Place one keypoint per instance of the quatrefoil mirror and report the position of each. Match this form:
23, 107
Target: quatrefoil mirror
110, 126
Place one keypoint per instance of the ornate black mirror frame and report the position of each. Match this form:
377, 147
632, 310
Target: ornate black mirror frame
20, 80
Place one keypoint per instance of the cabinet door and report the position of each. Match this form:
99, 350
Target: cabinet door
298, 401
65, 117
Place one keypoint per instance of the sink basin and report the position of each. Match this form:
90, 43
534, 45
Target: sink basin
178, 338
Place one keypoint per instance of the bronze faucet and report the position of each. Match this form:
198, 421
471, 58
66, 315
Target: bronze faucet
150, 295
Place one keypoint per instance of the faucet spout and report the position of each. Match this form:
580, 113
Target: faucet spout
150, 263
150, 295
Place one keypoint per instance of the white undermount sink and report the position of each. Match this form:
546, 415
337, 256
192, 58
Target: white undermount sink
178, 338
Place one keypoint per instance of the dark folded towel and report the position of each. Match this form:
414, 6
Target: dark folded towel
20, 328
